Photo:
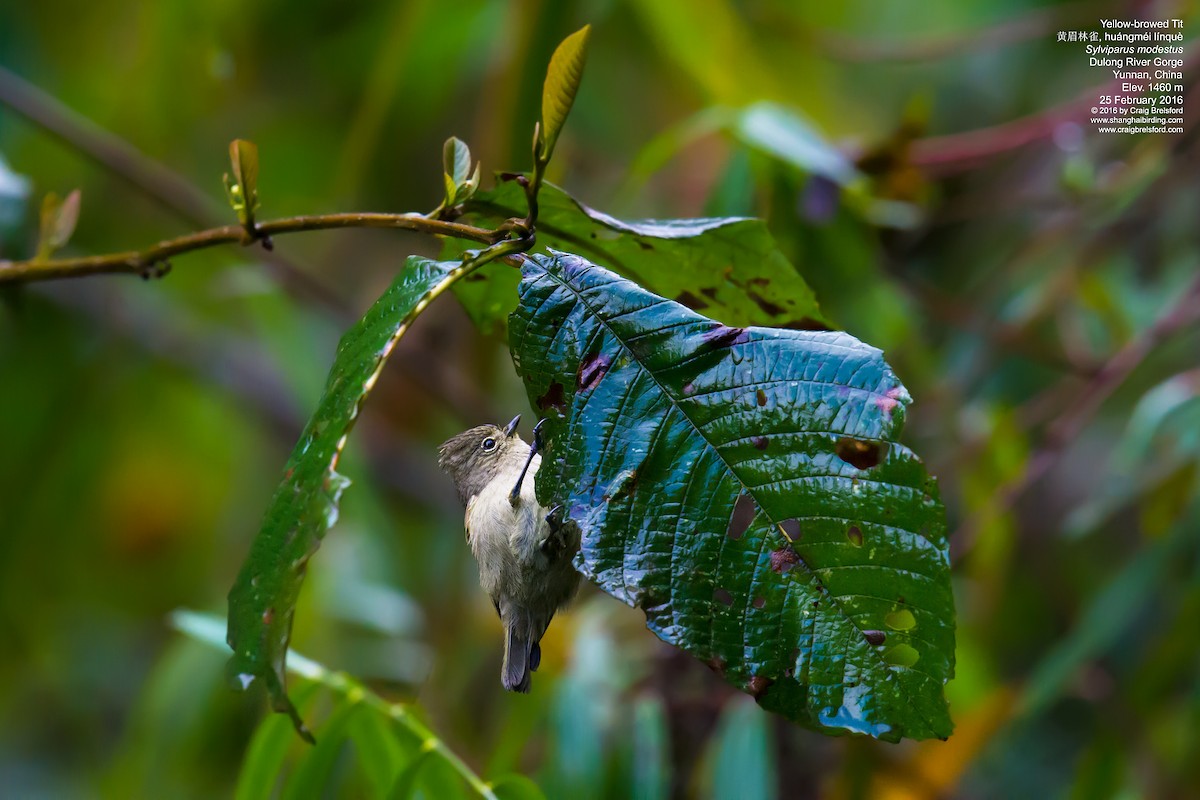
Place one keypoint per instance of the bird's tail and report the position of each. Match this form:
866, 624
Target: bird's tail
518, 653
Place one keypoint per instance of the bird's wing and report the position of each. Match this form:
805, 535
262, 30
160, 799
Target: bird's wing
467, 516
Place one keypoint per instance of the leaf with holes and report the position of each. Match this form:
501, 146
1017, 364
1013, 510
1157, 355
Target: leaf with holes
729, 267
305, 505
746, 489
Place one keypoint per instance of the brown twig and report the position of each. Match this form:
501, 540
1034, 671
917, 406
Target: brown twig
148, 262
1063, 430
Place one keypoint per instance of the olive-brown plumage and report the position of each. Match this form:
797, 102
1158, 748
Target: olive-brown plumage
524, 560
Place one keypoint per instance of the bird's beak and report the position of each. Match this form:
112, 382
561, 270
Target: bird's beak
511, 430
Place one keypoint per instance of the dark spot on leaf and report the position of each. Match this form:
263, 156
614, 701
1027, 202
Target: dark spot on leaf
553, 398
644, 245
860, 453
287, 476
688, 389
723, 597
757, 685
783, 559
760, 442
742, 516
709, 292
724, 336
591, 370
874, 638
268, 615
592, 234
717, 665
769, 308
475, 277
651, 600
629, 485
761, 397
791, 529
691, 301
806, 324
759, 602
854, 534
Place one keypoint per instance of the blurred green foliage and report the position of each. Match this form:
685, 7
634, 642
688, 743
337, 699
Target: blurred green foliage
145, 423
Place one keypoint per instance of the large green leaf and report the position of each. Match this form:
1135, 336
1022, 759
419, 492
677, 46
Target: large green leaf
729, 267
305, 505
745, 488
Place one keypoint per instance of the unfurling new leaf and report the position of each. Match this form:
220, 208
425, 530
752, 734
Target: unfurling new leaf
58, 221
460, 181
558, 92
242, 188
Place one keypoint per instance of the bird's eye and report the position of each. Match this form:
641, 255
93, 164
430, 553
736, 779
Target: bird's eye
489, 444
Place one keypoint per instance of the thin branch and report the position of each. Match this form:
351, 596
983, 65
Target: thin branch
151, 261
1062, 431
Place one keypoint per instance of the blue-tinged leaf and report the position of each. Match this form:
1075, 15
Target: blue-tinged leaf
747, 489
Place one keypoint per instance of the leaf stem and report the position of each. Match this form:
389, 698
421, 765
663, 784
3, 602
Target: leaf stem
151, 261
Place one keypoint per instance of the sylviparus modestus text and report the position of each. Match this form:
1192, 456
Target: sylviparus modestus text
524, 556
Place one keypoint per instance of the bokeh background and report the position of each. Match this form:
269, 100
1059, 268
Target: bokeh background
1023, 274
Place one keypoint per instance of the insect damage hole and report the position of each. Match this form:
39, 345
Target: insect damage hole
591, 370
861, 453
790, 528
743, 514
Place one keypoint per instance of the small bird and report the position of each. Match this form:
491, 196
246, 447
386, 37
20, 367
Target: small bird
524, 553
